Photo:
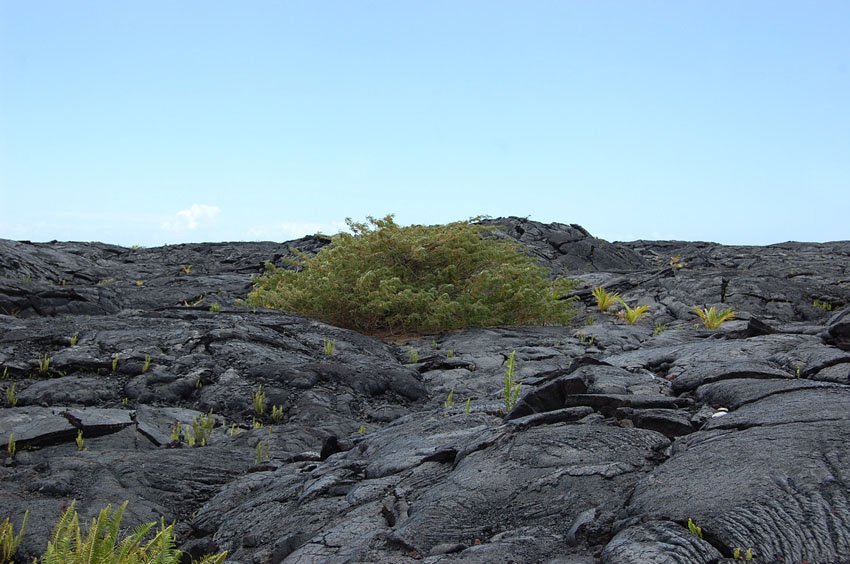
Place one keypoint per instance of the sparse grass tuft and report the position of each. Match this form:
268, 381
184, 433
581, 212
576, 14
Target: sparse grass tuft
413, 356
822, 305
147, 364
659, 328
73, 340
11, 397
328, 346
81, 446
215, 307
114, 362
11, 447
713, 319
277, 413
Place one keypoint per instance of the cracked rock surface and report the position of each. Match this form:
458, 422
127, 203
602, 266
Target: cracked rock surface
622, 434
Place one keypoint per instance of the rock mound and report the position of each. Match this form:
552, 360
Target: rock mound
355, 453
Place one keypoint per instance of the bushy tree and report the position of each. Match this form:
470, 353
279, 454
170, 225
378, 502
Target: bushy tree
386, 279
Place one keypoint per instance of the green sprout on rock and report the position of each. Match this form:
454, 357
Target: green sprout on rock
711, 318
510, 387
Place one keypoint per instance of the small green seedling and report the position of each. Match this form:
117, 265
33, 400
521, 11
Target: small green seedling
450, 399
450, 353
43, 363
822, 304
262, 452
362, 429
186, 269
604, 299
79, 440
468, 407
259, 401
413, 356
176, 431
11, 446
125, 401
73, 340
5, 375
147, 364
694, 529
11, 397
277, 413
329, 346
659, 328
676, 262
114, 362
633, 315
215, 307
256, 424
713, 319
202, 427
9, 541
510, 387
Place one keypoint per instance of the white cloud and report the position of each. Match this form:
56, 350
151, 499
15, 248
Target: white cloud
198, 215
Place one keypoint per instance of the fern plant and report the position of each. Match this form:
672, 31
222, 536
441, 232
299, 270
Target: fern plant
510, 387
633, 315
713, 319
102, 545
604, 300
9, 541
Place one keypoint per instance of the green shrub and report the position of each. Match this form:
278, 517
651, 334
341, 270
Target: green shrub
388, 279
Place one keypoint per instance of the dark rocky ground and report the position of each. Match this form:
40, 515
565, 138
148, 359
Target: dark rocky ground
623, 433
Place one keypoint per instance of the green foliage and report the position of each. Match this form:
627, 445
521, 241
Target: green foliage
5, 375
11, 397
11, 446
329, 346
362, 429
202, 427
277, 413
605, 300
114, 362
262, 452
450, 353
695, 531
713, 319
215, 307
101, 543
659, 328
450, 399
510, 387
9, 541
73, 340
413, 356
176, 431
186, 269
259, 401
468, 407
822, 304
43, 363
633, 315
388, 279
147, 365
81, 445
676, 262
746, 556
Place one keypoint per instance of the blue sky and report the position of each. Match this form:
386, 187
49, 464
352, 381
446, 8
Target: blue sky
160, 122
